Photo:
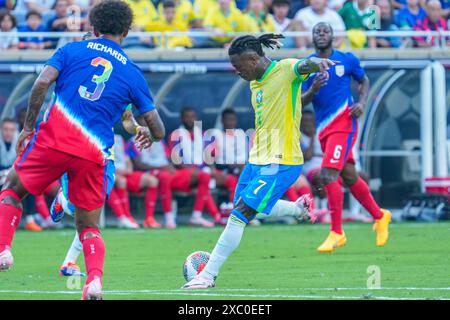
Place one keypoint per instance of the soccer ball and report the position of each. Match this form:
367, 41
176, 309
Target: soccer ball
194, 264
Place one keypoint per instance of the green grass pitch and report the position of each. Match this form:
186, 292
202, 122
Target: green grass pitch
272, 262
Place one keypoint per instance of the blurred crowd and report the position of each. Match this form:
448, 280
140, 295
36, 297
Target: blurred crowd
196, 168
224, 16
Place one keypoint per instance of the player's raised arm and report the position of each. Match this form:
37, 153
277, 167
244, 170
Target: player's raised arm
40, 87
313, 65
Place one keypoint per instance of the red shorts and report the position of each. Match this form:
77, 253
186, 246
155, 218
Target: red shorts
337, 149
134, 181
39, 166
181, 180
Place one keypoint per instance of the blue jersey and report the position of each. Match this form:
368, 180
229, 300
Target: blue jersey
332, 103
96, 83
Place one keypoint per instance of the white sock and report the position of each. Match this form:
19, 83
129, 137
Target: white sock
282, 208
74, 251
228, 242
196, 214
169, 217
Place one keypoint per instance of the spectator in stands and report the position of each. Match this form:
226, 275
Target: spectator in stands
129, 180
144, 11
387, 24
399, 4
184, 12
225, 18
259, 16
59, 20
336, 4
358, 16
41, 6
408, 16
283, 23
445, 8
33, 24
167, 22
8, 138
432, 22
7, 4
8, 24
186, 144
319, 12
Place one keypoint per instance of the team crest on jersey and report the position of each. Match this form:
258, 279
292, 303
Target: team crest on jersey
340, 70
259, 97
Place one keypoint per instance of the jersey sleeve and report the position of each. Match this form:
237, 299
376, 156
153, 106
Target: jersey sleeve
140, 94
356, 70
59, 58
291, 66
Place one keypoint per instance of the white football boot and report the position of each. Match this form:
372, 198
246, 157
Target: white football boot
199, 283
6, 260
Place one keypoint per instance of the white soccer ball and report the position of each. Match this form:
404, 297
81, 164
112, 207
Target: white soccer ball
194, 264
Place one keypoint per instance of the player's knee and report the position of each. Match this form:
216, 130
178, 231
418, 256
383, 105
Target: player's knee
329, 176
150, 181
10, 197
121, 182
247, 211
87, 233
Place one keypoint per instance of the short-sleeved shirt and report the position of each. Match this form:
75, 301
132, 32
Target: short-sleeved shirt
276, 99
309, 18
332, 102
405, 19
96, 83
184, 13
235, 21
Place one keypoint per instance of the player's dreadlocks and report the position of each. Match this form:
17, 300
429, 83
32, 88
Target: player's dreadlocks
246, 43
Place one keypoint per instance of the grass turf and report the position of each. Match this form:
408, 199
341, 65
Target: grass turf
272, 262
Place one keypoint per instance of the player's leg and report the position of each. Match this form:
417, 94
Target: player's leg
336, 148
165, 192
11, 196
69, 266
88, 190
149, 183
360, 190
184, 180
267, 185
37, 168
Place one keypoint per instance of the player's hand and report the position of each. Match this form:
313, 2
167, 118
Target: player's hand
23, 139
143, 139
356, 109
323, 64
319, 81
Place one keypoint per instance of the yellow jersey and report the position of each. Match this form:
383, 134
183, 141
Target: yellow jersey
162, 25
184, 12
235, 21
144, 11
276, 99
201, 7
262, 23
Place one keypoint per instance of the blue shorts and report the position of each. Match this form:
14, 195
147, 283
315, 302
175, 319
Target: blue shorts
261, 186
110, 177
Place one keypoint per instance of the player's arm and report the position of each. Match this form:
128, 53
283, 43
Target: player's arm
358, 107
318, 82
154, 124
314, 64
38, 92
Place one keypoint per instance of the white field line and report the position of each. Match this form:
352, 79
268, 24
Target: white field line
214, 293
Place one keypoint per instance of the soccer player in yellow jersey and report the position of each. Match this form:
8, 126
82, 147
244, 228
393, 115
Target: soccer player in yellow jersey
276, 159
168, 22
